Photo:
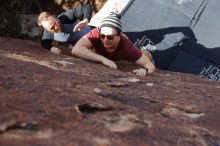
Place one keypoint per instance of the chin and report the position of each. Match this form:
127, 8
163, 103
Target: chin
58, 30
107, 46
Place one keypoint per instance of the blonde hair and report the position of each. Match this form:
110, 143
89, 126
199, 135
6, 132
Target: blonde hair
43, 16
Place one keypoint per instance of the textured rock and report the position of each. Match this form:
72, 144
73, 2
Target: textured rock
61, 100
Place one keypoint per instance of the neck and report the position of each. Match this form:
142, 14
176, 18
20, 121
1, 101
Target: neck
112, 49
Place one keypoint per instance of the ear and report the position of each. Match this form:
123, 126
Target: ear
119, 33
124, 35
39, 24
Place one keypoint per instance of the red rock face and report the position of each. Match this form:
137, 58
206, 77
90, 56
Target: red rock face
61, 100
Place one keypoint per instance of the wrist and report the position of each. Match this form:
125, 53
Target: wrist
86, 21
146, 70
102, 59
146, 65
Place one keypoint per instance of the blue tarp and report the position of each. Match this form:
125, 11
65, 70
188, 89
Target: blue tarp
182, 35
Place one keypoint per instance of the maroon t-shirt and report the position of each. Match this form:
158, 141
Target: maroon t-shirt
126, 50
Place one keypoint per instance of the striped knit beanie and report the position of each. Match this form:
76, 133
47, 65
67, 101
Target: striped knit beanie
113, 21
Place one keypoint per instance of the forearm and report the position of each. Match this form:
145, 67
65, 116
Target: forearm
86, 54
46, 44
145, 62
86, 21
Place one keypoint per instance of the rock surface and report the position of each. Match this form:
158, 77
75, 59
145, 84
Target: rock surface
49, 100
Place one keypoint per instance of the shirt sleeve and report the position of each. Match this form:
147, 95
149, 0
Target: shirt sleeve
46, 44
93, 36
46, 41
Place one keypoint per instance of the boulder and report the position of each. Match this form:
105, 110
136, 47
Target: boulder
62, 100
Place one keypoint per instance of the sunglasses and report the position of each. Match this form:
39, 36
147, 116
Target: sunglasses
109, 37
52, 26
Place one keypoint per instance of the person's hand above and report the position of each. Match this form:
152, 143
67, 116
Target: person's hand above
82, 24
55, 50
140, 72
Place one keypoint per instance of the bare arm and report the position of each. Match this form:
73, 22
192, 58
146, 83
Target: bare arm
145, 62
82, 24
81, 50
